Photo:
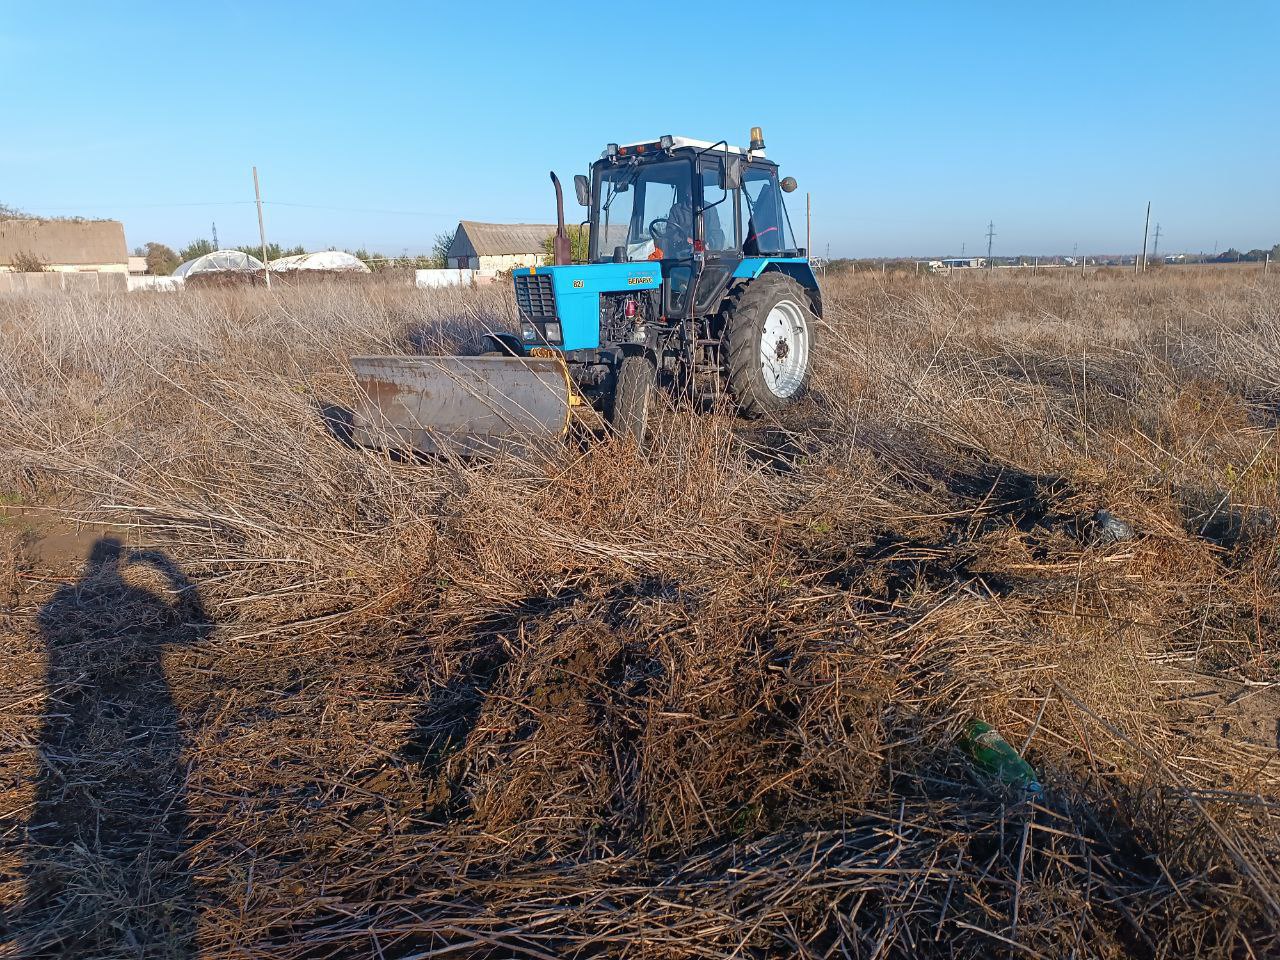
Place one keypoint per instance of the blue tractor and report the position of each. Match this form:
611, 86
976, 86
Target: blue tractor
694, 283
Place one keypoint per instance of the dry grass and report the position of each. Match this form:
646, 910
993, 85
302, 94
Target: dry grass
700, 700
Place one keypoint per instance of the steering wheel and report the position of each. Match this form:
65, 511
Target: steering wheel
653, 231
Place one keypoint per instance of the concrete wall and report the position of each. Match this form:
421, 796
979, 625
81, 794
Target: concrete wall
53, 281
424, 279
442, 278
165, 284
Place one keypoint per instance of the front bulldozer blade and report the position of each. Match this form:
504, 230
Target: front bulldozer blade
464, 405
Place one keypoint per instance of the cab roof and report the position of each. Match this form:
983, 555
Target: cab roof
677, 143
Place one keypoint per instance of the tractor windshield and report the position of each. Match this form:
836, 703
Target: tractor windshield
643, 211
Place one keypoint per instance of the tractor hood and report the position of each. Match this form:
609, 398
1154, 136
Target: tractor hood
571, 295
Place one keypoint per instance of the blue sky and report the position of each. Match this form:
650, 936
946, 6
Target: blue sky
911, 124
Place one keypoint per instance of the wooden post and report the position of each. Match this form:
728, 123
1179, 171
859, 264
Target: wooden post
808, 237
262, 230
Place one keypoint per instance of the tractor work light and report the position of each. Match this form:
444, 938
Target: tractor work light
611, 150
667, 142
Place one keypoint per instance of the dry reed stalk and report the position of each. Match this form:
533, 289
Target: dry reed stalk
700, 700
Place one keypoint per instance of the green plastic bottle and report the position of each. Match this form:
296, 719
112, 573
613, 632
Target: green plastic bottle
994, 756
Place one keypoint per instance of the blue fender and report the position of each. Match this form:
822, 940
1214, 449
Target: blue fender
797, 268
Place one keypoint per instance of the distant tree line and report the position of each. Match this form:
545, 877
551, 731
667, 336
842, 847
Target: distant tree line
1253, 256
13, 213
579, 243
435, 260
274, 251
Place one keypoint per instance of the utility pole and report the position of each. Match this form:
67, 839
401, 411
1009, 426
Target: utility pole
1146, 226
262, 230
991, 232
961, 249
215, 235
1155, 245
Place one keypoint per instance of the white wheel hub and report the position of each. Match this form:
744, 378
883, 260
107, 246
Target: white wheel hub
784, 348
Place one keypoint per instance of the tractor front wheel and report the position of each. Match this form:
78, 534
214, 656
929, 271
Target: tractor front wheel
769, 344
633, 395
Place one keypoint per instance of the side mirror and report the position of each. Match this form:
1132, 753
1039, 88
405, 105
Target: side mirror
583, 189
732, 179
788, 184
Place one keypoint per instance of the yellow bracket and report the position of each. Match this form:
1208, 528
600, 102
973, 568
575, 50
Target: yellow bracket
546, 353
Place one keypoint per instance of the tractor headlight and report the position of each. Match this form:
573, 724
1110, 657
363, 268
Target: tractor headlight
541, 331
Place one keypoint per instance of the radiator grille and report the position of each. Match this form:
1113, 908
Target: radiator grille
534, 296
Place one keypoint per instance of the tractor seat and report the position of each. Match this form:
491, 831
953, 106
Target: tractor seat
715, 235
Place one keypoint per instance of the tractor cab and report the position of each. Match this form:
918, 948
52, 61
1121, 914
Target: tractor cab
695, 209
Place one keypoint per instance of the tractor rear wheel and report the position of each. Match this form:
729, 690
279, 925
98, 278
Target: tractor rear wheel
633, 397
769, 344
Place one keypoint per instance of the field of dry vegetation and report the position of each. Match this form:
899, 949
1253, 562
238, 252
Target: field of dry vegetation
702, 699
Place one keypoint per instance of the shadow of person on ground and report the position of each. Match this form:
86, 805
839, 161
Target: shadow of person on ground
105, 862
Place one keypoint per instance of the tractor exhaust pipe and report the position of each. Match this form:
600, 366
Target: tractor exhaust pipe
560, 245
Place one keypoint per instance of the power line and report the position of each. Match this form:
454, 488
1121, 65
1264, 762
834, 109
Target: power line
137, 206
397, 213
1155, 247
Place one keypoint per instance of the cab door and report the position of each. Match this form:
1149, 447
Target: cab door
719, 231
720, 237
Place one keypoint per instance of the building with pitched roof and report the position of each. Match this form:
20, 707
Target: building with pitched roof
70, 246
494, 247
